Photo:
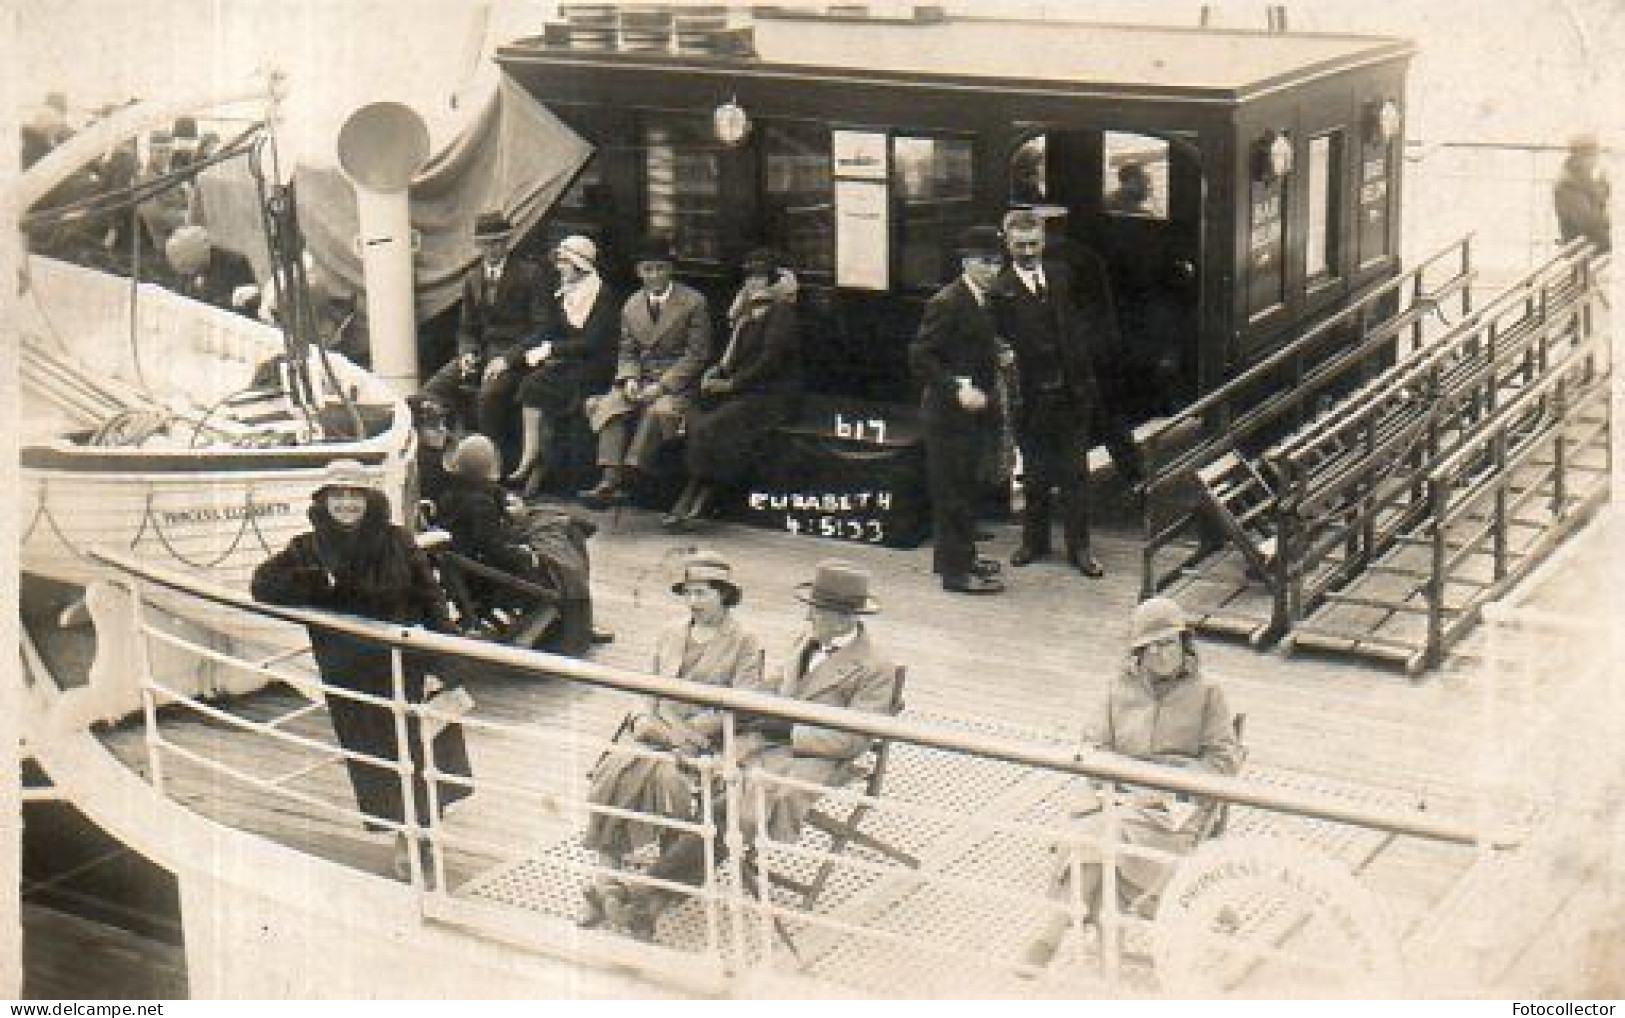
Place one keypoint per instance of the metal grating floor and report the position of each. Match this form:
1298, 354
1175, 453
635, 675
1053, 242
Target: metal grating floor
980, 935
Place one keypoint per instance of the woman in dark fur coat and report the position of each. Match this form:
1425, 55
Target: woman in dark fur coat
357, 562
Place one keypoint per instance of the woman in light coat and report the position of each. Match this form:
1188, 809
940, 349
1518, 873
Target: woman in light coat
709, 646
1161, 710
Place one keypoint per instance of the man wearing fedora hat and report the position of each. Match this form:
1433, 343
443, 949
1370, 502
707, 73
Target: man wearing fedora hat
665, 344
501, 318
956, 358
835, 663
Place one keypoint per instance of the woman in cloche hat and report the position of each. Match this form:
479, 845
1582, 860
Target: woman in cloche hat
1159, 709
708, 646
578, 357
355, 561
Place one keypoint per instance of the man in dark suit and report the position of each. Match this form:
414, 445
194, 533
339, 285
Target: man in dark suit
503, 311
1037, 313
955, 357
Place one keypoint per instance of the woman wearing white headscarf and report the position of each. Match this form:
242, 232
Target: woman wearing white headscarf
578, 358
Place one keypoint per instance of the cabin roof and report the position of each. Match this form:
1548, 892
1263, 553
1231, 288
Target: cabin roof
1048, 54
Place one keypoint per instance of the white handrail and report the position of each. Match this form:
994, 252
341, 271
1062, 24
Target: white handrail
1086, 763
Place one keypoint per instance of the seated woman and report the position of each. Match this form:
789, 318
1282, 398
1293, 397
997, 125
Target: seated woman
578, 358
748, 392
355, 561
709, 646
1160, 709
474, 509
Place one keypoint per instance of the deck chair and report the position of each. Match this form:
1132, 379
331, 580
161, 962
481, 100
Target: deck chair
486, 601
843, 831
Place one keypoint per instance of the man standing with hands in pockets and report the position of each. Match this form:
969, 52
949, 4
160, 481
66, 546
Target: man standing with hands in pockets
955, 356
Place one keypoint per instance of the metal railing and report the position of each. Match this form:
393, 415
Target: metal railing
1290, 387
730, 911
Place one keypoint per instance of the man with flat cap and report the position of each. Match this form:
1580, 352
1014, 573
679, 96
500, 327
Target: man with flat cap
955, 356
503, 312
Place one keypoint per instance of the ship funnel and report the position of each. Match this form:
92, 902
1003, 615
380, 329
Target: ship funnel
380, 148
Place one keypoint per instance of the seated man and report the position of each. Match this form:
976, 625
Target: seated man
1160, 709
504, 307
665, 344
833, 663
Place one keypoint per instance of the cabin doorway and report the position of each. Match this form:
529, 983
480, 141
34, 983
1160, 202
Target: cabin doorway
1134, 200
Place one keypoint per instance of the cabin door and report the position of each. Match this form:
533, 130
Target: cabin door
1135, 201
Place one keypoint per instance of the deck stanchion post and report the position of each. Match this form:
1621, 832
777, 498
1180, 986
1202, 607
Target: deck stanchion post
149, 703
1080, 905
1502, 524
1111, 929
734, 838
708, 821
764, 881
404, 766
431, 783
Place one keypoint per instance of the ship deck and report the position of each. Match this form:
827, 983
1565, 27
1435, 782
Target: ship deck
1031, 663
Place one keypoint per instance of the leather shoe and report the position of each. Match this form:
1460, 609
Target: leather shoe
602, 636
986, 567
1088, 565
983, 535
972, 584
1024, 555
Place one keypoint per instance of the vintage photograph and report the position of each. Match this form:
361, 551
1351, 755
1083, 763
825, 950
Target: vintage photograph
1016, 499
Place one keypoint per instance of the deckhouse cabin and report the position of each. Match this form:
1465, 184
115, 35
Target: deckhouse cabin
1240, 185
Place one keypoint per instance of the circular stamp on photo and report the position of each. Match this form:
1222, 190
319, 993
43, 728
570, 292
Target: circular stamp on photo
1261, 916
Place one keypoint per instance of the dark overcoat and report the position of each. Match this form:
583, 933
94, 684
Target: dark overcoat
727, 434
312, 572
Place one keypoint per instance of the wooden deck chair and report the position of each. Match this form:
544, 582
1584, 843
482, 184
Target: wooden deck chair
519, 615
871, 772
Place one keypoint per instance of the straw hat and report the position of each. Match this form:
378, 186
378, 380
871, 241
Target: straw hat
709, 567
838, 585
347, 473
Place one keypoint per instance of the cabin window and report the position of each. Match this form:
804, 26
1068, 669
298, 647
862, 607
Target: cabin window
1134, 175
583, 208
799, 212
1029, 184
1325, 177
681, 185
932, 183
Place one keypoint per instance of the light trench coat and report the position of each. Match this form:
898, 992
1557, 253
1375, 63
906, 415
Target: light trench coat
1186, 723
664, 785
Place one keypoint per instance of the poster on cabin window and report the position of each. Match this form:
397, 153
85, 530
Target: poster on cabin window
859, 155
862, 224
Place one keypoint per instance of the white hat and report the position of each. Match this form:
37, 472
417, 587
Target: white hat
578, 251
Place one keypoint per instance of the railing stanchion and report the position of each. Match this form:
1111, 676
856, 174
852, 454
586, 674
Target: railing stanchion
713, 893
764, 878
1111, 928
149, 703
405, 765
431, 782
734, 838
